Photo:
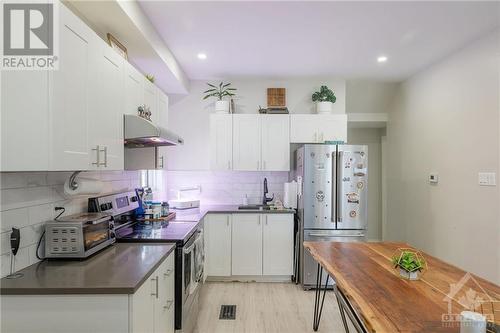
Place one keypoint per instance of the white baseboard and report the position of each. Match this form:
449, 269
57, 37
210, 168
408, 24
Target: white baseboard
240, 278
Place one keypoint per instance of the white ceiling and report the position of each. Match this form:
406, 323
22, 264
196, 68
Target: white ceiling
343, 39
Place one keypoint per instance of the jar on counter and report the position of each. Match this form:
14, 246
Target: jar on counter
164, 209
156, 207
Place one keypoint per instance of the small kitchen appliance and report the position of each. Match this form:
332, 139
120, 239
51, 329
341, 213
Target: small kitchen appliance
78, 235
185, 203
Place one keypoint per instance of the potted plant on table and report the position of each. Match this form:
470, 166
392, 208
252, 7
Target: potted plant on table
410, 263
324, 99
219, 92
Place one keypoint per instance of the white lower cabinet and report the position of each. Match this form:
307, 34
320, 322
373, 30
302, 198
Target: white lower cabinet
277, 244
149, 310
246, 244
218, 244
249, 244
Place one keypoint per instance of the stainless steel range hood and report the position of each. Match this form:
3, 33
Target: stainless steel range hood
140, 133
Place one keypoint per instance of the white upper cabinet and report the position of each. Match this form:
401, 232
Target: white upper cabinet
151, 100
69, 96
163, 122
277, 244
275, 142
261, 142
106, 108
315, 128
246, 142
24, 121
134, 89
247, 244
72, 118
221, 141
333, 128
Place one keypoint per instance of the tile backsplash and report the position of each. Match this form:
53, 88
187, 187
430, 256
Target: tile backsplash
226, 187
28, 199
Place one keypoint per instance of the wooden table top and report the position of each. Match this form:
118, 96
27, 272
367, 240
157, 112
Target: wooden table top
387, 303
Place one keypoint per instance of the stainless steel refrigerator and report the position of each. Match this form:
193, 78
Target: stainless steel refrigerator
333, 196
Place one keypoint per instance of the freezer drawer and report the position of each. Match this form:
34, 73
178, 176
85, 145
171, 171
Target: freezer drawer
309, 265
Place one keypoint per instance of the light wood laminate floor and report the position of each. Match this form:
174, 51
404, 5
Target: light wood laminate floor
264, 308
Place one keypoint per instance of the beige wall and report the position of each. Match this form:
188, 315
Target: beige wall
446, 120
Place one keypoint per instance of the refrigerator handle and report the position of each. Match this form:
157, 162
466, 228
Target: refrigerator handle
339, 187
333, 197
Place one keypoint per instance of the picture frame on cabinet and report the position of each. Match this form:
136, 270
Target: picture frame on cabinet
117, 46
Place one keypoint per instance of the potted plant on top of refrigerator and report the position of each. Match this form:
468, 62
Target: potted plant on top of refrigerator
219, 92
324, 99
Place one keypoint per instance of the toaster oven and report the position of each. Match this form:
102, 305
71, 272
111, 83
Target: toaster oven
78, 235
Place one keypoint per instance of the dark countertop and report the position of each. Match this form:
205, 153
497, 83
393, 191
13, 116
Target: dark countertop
119, 269
197, 214
175, 232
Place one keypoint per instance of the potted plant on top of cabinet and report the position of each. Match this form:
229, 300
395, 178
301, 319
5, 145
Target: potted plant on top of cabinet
324, 99
219, 92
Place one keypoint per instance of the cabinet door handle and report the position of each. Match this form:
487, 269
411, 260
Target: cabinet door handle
168, 273
97, 150
227, 221
258, 165
264, 163
105, 151
315, 137
229, 165
321, 139
266, 219
161, 159
259, 219
169, 304
156, 284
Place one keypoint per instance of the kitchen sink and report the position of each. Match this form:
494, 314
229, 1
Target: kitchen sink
254, 207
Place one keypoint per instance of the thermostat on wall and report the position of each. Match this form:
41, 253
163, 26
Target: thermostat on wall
433, 178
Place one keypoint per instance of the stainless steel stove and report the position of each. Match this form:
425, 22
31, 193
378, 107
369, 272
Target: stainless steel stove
189, 253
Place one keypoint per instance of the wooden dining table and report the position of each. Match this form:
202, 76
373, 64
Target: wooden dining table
375, 298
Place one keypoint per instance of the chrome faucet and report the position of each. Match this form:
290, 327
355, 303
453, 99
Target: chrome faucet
265, 199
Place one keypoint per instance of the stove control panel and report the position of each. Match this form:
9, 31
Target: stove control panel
114, 204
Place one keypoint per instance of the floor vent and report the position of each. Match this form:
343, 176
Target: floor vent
227, 312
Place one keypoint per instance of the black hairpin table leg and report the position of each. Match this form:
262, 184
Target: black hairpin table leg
318, 300
341, 310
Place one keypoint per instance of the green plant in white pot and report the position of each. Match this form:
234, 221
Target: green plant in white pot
410, 263
219, 92
324, 99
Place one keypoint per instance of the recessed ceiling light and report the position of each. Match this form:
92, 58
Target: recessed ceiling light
382, 59
202, 56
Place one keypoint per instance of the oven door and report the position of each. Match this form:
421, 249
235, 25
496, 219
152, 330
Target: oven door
199, 258
95, 234
187, 269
